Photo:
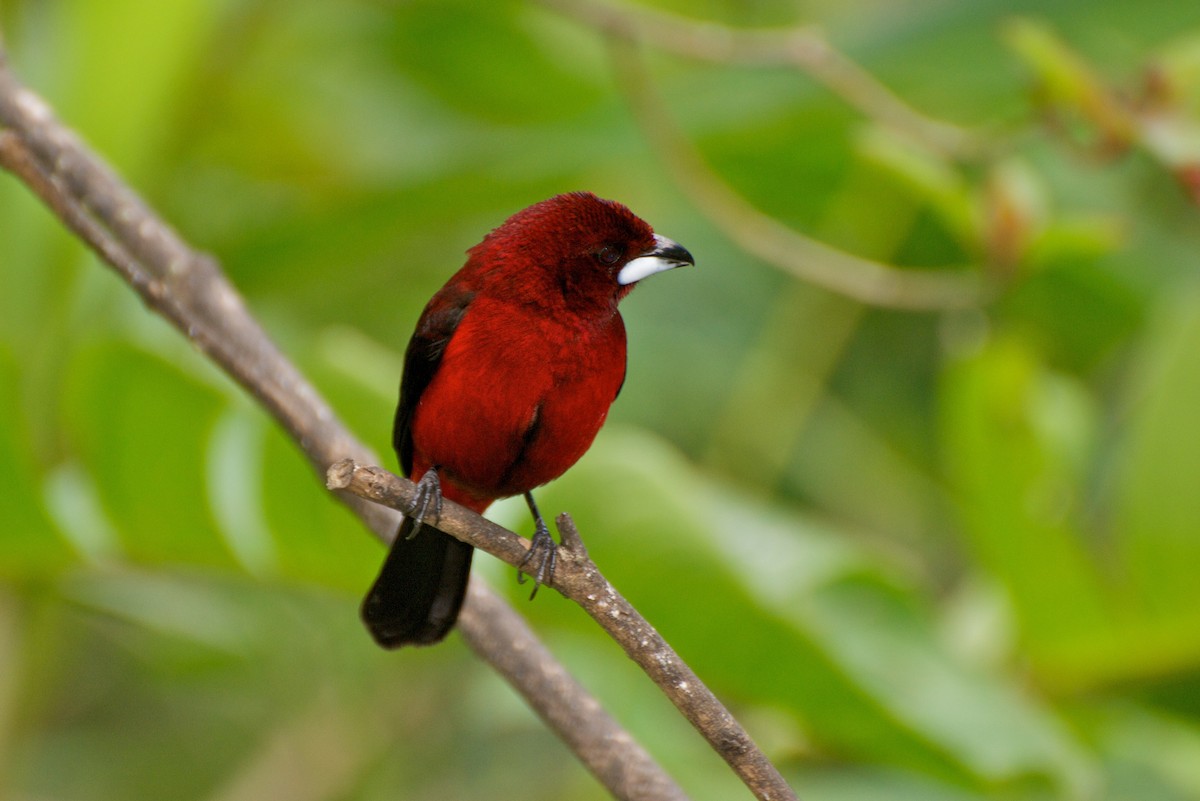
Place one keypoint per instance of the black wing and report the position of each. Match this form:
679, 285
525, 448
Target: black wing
437, 325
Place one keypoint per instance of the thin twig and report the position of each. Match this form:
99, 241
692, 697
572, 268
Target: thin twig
865, 280
578, 578
804, 48
189, 289
862, 279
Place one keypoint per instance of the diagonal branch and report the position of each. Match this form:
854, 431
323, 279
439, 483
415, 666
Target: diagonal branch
189, 290
856, 277
804, 48
577, 577
865, 280
183, 285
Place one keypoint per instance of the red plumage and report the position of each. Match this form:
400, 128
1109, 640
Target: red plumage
507, 379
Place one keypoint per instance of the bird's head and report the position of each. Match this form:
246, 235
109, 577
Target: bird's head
579, 247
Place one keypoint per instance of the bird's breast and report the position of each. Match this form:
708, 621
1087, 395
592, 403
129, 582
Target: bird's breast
517, 398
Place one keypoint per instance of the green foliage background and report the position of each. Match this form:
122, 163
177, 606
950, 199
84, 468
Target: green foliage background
945, 555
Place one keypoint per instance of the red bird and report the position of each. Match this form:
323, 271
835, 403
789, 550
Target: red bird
507, 378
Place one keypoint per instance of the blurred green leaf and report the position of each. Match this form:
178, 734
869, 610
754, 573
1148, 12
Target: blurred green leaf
525, 80
316, 538
28, 545
1016, 439
125, 125
1157, 508
837, 639
142, 427
938, 555
1151, 754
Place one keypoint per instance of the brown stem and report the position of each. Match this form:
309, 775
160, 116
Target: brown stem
505, 641
189, 289
578, 578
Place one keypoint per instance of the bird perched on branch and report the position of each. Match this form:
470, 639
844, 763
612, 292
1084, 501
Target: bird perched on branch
507, 378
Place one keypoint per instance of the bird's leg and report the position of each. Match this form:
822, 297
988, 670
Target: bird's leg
542, 554
427, 498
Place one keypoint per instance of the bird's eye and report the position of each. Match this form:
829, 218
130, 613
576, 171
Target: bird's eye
609, 254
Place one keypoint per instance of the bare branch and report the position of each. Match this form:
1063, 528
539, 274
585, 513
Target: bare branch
628, 27
856, 277
505, 641
189, 290
578, 578
804, 48
184, 286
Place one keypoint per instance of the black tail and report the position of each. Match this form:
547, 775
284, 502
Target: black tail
420, 588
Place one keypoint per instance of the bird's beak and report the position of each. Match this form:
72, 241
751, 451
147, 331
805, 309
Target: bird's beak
665, 255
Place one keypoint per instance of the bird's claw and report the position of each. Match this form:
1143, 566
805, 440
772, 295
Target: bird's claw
427, 498
539, 560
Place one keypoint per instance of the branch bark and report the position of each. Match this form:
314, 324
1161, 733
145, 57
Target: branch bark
188, 289
577, 577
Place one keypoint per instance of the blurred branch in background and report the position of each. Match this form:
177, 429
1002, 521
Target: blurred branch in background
1082, 105
862, 279
189, 290
939, 555
1069, 88
804, 48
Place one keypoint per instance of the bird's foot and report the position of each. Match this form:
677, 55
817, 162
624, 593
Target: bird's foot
426, 500
540, 559
542, 555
